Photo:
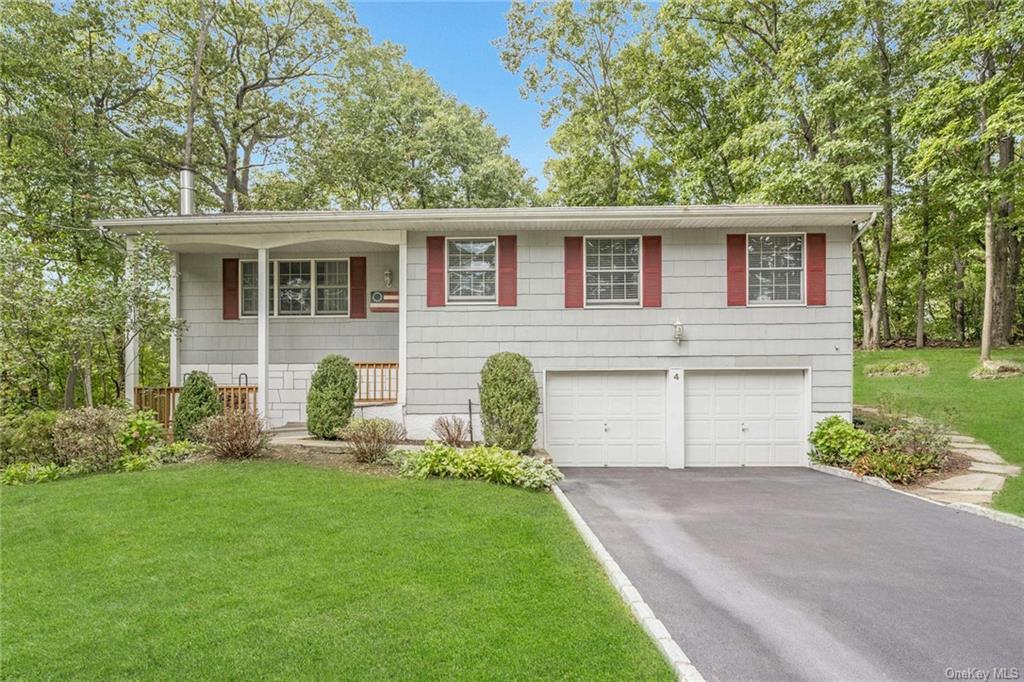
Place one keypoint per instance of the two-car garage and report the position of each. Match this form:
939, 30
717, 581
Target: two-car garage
744, 417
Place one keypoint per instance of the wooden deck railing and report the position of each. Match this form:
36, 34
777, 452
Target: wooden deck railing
163, 399
377, 382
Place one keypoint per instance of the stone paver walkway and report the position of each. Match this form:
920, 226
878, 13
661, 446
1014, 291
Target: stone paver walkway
985, 476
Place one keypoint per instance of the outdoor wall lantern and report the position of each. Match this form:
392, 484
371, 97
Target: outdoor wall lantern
677, 331
388, 279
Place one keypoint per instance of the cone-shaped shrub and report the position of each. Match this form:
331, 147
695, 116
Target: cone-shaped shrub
509, 399
198, 400
332, 394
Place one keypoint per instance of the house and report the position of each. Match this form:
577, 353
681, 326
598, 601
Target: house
662, 336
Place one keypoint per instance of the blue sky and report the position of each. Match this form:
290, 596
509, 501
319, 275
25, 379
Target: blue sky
452, 41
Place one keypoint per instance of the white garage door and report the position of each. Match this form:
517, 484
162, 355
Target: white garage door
606, 418
744, 418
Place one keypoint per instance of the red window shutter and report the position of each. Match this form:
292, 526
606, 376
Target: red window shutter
574, 272
736, 269
507, 274
435, 271
357, 287
229, 288
816, 281
652, 271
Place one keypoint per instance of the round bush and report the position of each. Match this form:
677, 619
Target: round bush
89, 436
198, 400
28, 438
837, 442
331, 397
509, 399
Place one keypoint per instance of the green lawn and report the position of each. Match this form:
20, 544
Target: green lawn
991, 411
279, 570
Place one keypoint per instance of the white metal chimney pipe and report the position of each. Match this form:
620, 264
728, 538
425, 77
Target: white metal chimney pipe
187, 193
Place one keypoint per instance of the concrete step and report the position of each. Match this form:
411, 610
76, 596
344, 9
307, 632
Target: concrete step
975, 481
949, 496
1001, 469
979, 455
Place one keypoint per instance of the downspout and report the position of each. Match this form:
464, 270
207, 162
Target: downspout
865, 226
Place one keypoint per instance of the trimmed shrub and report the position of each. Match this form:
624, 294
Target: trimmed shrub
837, 442
197, 402
141, 432
372, 439
135, 463
90, 437
918, 439
331, 397
509, 399
21, 473
896, 368
452, 431
894, 467
28, 438
235, 435
487, 463
178, 451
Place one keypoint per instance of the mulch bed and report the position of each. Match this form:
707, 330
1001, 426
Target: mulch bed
955, 463
330, 458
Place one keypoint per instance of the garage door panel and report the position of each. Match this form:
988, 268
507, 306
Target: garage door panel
606, 418
744, 418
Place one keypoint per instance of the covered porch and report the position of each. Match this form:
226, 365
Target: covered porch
262, 307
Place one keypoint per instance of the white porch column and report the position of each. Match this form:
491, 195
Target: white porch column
131, 348
403, 315
175, 372
263, 333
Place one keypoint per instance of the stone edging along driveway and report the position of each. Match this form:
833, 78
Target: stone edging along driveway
971, 491
654, 628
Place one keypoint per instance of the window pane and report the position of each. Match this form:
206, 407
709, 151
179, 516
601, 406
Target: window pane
331, 273
331, 287
471, 285
471, 254
472, 269
250, 285
331, 300
293, 284
613, 270
775, 268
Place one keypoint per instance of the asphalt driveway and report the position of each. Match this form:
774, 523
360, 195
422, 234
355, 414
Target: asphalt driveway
783, 574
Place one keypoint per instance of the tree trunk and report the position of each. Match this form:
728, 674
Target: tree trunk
922, 275
959, 307
865, 293
1011, 299
990, 257
70, 382
881, 279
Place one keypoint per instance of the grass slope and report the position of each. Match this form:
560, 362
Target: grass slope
991, 411
277, 570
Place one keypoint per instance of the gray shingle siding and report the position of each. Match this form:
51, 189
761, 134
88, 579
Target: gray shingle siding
210, 339
447, 346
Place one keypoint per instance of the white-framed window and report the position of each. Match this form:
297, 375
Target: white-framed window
471, 266
298, 287
332, 287
612, 271
775, 269
249, 288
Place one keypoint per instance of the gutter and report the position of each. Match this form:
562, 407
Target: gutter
865, 226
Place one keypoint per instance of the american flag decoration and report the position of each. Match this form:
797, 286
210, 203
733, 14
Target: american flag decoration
383, 301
